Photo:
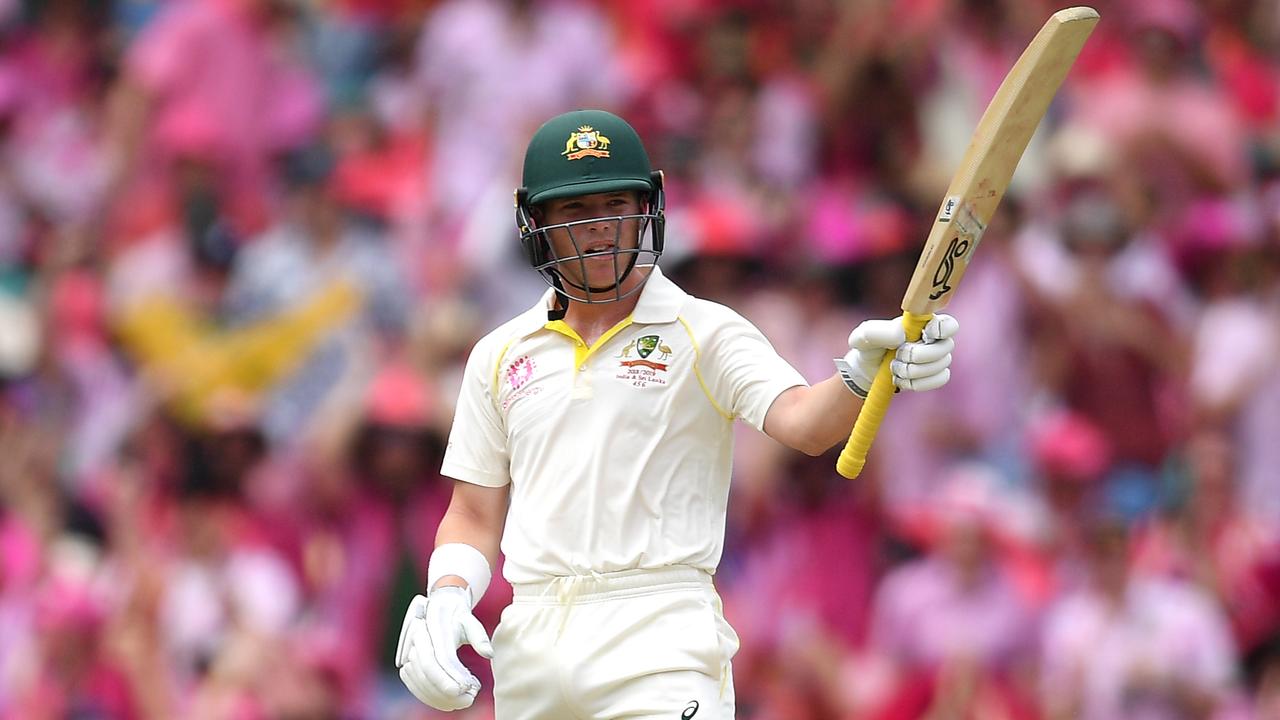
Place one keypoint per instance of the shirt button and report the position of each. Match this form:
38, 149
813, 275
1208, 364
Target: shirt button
582, 368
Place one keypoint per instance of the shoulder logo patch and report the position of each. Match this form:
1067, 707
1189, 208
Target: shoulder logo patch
518, 375
519, 372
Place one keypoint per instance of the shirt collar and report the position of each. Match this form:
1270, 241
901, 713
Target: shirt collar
660, 302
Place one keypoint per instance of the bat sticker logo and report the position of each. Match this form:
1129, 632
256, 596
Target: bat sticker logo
948, 208
969, 230
942, 276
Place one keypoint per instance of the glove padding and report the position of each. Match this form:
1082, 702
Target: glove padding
920, 365
434, 628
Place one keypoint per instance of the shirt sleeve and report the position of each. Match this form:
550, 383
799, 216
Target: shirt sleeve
742, 370
477, 449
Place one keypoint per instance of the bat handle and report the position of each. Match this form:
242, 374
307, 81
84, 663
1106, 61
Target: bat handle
854, 455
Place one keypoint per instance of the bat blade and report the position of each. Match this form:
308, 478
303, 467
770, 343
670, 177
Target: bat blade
1011, 118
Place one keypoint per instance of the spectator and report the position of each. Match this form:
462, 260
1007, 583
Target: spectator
953, 623
1134, 646
317, 246
1070, 455
221, 75
1214, 542
1119, 356
249, 242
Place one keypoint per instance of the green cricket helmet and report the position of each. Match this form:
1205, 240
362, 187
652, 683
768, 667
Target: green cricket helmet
585, 152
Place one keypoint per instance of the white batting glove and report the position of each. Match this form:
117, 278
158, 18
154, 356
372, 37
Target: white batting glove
920, 365
427, 654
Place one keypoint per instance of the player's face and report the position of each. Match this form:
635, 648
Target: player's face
597, 236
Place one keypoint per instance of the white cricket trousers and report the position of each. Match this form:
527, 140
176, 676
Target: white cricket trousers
636, 644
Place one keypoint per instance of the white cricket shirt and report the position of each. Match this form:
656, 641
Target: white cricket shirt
618, 454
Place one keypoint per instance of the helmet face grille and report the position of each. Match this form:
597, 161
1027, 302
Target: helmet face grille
571, 275
594, 276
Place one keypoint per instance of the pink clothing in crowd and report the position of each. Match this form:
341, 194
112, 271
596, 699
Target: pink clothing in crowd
1132, 283
490, 72
347, 562
924, 617
224, 89
1230, 560
1190, 115
1126, 661
794, 583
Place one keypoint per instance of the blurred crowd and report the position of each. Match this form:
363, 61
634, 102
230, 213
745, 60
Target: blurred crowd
246, 245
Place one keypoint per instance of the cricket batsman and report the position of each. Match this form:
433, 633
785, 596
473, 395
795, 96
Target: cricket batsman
592, 445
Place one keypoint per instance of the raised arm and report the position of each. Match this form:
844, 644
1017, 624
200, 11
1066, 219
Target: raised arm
813, 419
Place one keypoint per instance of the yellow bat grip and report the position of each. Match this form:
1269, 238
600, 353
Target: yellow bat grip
854, 455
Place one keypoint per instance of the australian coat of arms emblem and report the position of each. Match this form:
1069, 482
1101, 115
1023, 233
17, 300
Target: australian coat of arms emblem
586, 141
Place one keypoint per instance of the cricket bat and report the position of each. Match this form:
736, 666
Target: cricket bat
988, 164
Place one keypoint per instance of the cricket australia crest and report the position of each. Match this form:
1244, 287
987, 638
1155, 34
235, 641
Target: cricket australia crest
650, 366
586, 141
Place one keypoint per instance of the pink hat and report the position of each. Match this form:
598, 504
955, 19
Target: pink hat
19, 553
1179, 18
76, 306
726, 226
188, 131
1209, 229
968, 496
398, 396
1221, 224
10, 87
1068, 445
69, 605
846, 225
